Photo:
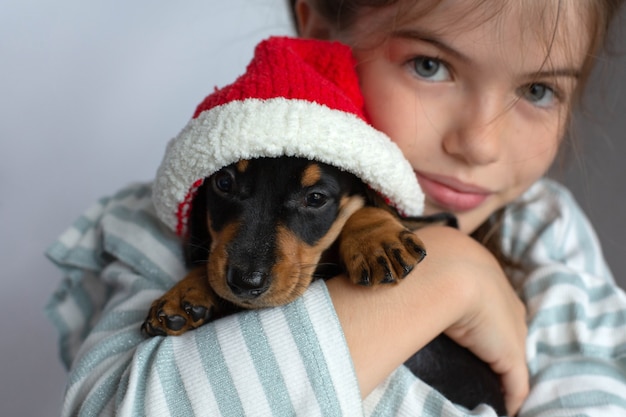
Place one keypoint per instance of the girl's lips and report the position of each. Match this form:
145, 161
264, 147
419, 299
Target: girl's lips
452, 194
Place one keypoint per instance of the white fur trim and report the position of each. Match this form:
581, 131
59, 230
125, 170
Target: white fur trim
255, 128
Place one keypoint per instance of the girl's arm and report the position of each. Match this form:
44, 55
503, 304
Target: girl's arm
117, 259
459, 288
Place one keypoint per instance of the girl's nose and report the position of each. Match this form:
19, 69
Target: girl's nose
476, 135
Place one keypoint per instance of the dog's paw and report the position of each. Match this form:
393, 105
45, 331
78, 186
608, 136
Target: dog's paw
379, 250
173, 318
186, 306
385, 259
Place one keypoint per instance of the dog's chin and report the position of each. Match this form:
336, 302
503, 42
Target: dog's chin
273, 297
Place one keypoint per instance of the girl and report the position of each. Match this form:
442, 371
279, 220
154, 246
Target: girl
477, 95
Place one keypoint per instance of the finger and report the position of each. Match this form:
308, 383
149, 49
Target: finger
516, 387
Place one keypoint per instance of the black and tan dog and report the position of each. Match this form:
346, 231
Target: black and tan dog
261, 230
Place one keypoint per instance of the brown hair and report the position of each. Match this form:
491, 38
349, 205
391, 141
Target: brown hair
342, 15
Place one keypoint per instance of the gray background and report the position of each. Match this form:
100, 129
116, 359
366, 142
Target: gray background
90, 92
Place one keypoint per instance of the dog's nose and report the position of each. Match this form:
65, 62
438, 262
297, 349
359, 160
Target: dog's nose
247, 284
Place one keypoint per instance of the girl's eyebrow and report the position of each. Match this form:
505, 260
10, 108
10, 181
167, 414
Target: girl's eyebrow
413, 34
557, 72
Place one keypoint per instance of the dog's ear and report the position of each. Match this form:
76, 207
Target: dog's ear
413, 223
196, 245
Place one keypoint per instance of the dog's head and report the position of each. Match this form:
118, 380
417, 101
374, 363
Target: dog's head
264, 223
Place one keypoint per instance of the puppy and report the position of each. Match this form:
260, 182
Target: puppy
261, 230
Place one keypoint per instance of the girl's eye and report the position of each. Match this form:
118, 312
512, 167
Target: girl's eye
539, 94
430, 69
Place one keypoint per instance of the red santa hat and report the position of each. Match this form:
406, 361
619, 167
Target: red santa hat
297, 97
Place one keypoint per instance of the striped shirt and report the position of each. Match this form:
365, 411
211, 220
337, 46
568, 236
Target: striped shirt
293, 360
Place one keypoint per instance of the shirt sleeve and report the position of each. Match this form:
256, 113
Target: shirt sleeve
576, 346
116, 259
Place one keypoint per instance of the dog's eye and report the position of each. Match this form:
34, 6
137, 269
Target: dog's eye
223, 182
315, 200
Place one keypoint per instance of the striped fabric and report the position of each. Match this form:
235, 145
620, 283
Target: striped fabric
294, 360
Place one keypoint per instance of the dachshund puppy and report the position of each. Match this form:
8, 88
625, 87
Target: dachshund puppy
262, 229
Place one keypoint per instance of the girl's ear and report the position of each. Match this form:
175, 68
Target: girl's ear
309, 22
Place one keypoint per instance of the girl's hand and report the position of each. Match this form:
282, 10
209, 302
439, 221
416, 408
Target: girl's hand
493, 324
458, 289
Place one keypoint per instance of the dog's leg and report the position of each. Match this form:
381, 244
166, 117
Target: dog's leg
377, 249
187, 305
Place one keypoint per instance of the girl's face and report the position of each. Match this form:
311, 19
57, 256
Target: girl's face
477, 104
